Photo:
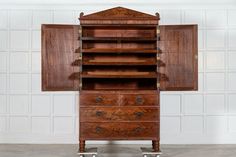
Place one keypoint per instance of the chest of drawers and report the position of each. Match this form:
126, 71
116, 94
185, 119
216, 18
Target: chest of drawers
117, 115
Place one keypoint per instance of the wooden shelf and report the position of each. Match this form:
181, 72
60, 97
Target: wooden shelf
124, 91
120, 26
128, 39
138, 62
120, 50
119, 74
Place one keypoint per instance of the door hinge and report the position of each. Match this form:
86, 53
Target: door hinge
158, 33
80, 30
158, 85
158, 30
80, 56
80, 85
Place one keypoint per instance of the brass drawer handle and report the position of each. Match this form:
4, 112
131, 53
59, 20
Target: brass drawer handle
138, 114
138, 129
99, 113
98, 99
139, 100
98, 129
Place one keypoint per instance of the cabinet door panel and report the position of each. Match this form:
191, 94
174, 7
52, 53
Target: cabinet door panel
59, 46
178, 67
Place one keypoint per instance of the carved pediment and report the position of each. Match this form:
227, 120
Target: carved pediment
119, 13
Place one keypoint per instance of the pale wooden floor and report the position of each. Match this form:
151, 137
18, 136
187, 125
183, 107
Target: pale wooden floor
15, 150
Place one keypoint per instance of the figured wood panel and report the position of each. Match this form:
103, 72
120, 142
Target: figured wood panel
117, 114
178, 44
139, 100
118, 15
99, 99
119, 130
59, 46
127, 32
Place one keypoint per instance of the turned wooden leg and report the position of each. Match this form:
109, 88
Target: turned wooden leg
156, 145
82, 145
153, 144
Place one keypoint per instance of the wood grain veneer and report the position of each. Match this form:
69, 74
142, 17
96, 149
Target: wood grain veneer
120, 59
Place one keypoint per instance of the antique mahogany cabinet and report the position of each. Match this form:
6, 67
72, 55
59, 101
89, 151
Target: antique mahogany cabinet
119, 59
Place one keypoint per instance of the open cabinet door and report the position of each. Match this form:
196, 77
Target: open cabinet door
60, 67
178, 59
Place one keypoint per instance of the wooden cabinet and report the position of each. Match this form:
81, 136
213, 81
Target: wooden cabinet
120, 60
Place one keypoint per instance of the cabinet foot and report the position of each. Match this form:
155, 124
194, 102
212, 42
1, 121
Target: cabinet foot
156, 146
81, 145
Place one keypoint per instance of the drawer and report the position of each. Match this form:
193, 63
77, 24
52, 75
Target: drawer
139, 100
100, 114
99, 99
120, 131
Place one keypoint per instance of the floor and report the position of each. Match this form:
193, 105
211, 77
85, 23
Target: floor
15, 150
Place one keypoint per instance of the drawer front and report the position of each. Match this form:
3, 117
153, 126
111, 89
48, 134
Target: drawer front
99, 99
119, 131
139, 99
100, 114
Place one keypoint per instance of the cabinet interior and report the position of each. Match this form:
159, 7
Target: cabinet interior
119, 58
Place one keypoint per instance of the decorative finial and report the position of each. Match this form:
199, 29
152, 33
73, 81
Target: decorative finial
81, 14
157, 15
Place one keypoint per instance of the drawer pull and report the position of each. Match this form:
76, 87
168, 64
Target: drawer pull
138, 114
98, 129
139, 100
99, 113
138, 129
98, 99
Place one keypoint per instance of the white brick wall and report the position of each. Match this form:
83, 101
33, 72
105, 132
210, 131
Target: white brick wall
28, 115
